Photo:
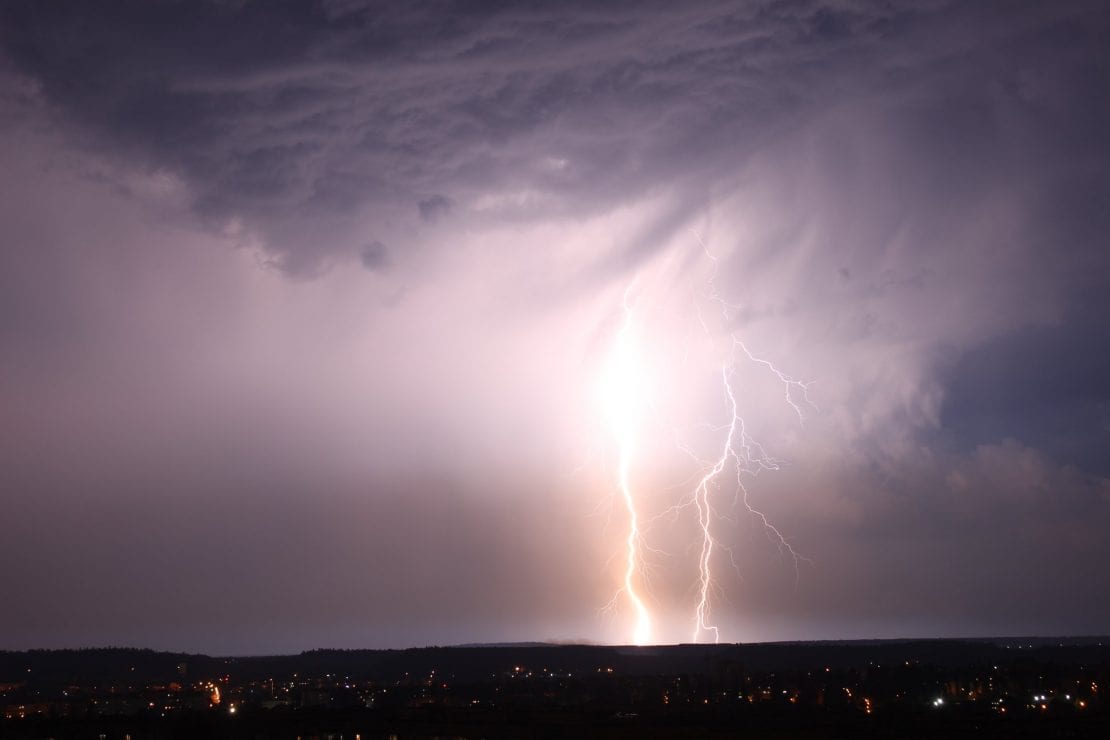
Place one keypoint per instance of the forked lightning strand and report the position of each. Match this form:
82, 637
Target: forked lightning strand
625, 401
746, 456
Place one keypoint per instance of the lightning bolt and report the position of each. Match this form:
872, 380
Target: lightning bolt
746, 456
626, 400
705, 511
738, 448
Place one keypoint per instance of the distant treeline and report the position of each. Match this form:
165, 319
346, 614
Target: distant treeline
479, 663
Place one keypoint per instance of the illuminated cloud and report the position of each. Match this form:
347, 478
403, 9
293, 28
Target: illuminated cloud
322, 290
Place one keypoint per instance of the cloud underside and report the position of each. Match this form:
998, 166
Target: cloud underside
296, 118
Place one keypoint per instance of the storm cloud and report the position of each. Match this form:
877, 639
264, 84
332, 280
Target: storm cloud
305, 301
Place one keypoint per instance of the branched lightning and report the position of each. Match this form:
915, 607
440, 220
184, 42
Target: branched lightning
746, 456
705, 511
738, 452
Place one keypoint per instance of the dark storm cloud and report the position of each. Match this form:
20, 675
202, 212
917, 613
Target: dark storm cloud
374, 256
1047, 386
281, 112
434, 207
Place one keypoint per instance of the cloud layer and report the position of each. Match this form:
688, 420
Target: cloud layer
302, 307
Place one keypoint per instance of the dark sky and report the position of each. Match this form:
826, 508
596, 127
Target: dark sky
330, 324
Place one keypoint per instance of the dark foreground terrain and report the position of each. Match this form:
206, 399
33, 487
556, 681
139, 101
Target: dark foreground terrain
886, 689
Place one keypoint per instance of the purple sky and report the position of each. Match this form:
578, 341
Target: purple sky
307, 311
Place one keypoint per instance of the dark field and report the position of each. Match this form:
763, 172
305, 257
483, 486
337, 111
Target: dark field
914, 689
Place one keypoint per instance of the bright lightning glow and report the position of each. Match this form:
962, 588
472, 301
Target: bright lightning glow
624, 397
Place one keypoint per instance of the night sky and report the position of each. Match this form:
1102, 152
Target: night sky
309, 311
